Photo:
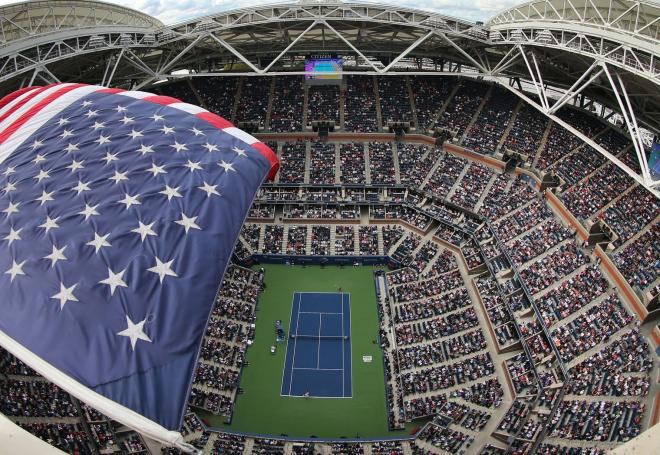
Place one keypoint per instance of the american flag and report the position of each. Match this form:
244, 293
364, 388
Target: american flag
119, 211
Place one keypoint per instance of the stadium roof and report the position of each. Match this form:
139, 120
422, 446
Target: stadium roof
602, 53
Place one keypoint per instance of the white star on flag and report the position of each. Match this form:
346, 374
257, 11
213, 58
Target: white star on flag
170, 192
114, 280
119, 176
36, 144
12, 208
188, 222
193, 166
226, 166
134, 332
89, 211
62, 121
90, 113
45, 197
210, 189
155, 170
98, 125
239, 151
103, 140
120, 109
167, 130
157, 118
110, 157
211, 147
9, 187
50, 224
130, 201
178, 147
86, 103
197, 132
135, 134
99, 241
66, 133
163, 269
81, 186
42, 175
10, 170
144, 230
75, 165
15, 269
13, 235
71, 148
126, 120
38, 159
65, 295
144, 149
56, 255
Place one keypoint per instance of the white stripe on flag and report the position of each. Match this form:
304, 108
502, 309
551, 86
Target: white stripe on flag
240, 134
135, 94
189, 108
37, 120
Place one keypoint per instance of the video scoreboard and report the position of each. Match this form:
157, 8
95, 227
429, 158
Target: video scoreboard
323, 69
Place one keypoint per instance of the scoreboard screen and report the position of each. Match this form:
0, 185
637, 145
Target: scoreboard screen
323, 69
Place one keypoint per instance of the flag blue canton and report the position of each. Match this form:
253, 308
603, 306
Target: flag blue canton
117, 220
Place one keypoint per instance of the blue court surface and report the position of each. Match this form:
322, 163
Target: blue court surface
318, 352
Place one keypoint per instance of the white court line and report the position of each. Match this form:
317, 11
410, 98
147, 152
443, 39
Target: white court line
293, 361
316, 312
318, 354
319, 369
343, 373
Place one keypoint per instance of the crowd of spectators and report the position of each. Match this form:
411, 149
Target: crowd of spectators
394, 100
557, 264
581, 334
296, 243
597, 420
415, 162
526, 132
292, 162
537, 241
381, 163
287, 107
429, 95
360, 114
445, 175
352, 165
218, 94
639, 261
322, 163
590, 195
494, 117
323, 102
471, 186
631, 212
253, 101
463, 106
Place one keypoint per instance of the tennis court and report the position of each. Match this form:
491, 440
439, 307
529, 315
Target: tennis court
318, 353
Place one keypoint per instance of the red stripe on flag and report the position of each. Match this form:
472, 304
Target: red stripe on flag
215, 120
111, 90
11, 129
268, 153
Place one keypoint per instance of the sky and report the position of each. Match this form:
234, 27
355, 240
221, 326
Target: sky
173, 11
